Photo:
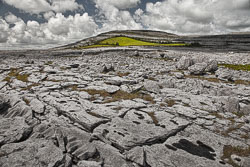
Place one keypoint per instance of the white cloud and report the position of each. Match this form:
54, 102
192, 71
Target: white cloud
176, 16
119, 4
114, 17
10, 18
41, 6
58, 30
48, 15
198, 16
72, 27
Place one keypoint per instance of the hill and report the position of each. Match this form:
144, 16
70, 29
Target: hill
140, 35
225, 42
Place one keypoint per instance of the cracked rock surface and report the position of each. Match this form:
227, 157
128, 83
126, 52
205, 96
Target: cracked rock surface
118, 108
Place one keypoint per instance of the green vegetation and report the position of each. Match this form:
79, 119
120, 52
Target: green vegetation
126, 41
237, 67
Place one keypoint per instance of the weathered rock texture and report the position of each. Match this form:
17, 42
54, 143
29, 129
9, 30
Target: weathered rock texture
124, 109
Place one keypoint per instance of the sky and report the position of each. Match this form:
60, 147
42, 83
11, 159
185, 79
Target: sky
47, 23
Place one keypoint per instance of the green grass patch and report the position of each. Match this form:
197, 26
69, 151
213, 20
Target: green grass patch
237, 67
126, 41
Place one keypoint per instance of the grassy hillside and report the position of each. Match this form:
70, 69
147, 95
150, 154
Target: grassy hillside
126, 41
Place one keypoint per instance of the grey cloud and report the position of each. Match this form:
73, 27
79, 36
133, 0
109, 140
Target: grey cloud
4, 29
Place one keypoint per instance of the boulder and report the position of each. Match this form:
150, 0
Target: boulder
152, 86
212, 66
13, 130
246, 110
184, 63
179, 75
37, 106
107, 68
36, 152
197, 69
224, 74
232, 105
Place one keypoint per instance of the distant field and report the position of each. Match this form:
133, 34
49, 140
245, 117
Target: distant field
126, 41
237, 67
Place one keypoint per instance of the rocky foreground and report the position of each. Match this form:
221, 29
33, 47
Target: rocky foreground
124, 109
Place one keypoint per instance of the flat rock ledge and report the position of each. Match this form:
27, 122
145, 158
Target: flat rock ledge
116, 109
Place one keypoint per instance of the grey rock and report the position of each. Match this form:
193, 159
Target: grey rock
119, 81
184, 63
50, 70
224, 74
35, 153
107, 88
89, 164
107, 68
198, 68
245, 110
136, 54
127, 134
13, 130
232, 105
110, 155
179, 75
152, 86
212, 66
70, 127
37, 106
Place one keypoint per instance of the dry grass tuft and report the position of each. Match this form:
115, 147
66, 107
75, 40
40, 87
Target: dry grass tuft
216, 80
229, 150
26, 101
16, 74
170, 102
153, 117
31, 86
119, 95
232, 128
217, 115
120, 74
49, 63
